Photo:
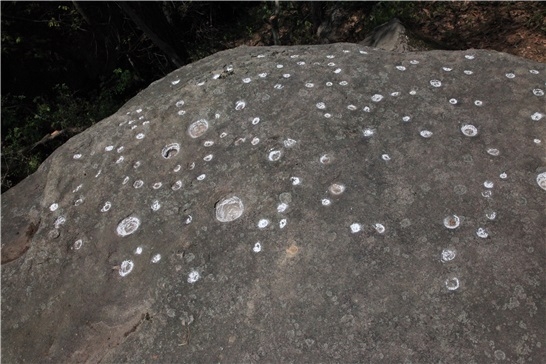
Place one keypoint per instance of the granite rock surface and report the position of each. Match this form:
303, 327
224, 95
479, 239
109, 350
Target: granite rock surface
317, 204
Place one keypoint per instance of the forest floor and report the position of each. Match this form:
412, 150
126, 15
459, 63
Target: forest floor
517, 28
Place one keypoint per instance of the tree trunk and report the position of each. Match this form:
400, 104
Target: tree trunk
154, 37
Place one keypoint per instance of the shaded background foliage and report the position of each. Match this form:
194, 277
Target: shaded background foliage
68, 65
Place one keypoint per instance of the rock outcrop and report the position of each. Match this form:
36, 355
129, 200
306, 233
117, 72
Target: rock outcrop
329, 203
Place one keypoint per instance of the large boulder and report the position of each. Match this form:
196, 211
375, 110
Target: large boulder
329, 203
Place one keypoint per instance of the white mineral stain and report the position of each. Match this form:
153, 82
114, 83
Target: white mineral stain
240, 105
321, 105
55, 206
351, 107
59, 221
179, 103
138, 250
295, 180
487, 194
482, 233
452, 283
425, 133
156, 258
125, 180
478, 103
538, 92
326, 202
198, 128
289, 143
223, 135
447, 69
170, 150
274, 155
181, 112
327, 115
128, 226
488, 184
208, 158
208, 143
157, 185
109, 148
309, 84
120, 159
229, 209
140, 136
106, 207
453, 101
401, 68
246, 80
156, 205
286, 75
368, 132
282, 223
175, 82
469, 130
452, 222
325, 159
263, 223
493, 151
193, 276
377, 98
385, 157
491, 215
329, 84
255, 121
448, 254
541, 180
77, 156
255, 141
282, 207
257, 247
537, 116
344, 83
406, 118
201, 177
355, 227
336, 188
137, 164
503, 175
468, 72
78, 244
126, 267
510, 75
120, 149
380, 228
177, 185
138, 183
435, 83
396, 93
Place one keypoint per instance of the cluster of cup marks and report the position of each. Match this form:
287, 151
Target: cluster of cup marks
232, 207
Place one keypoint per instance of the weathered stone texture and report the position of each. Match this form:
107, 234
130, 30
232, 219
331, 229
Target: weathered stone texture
289, 205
